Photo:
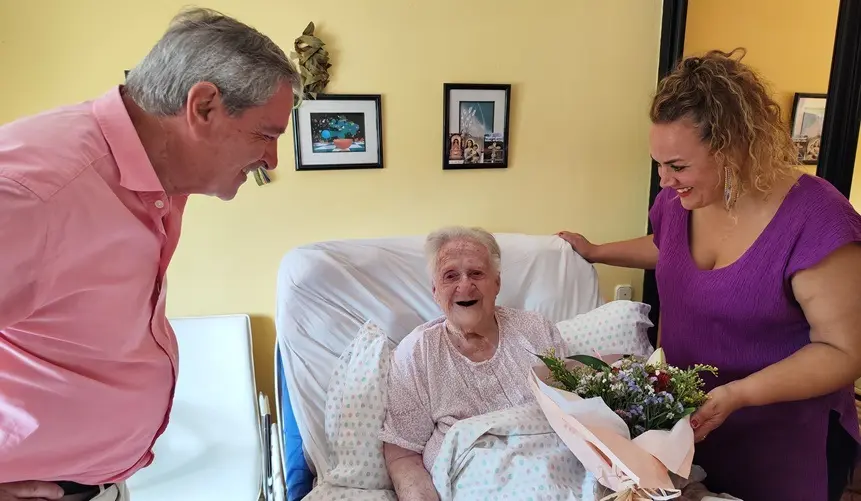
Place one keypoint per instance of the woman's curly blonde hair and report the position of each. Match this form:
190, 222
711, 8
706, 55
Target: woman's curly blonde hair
731, 105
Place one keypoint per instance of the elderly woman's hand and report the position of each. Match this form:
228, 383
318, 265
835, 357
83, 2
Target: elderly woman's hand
723, 401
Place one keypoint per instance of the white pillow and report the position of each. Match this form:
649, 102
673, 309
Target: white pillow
355, 410
616, 328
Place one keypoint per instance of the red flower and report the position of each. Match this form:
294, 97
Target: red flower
662, 382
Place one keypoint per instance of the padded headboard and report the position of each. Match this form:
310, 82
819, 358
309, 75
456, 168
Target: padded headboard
327, 290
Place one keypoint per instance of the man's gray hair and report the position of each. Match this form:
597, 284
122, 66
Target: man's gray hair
436, 240
203, 45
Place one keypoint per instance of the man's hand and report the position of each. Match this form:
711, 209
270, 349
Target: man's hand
31, 491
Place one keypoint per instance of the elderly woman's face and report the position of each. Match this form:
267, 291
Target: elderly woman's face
465, 284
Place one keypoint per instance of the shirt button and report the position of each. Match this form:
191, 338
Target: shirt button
159, 204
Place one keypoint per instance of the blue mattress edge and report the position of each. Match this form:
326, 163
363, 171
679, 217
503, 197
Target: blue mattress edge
297, 475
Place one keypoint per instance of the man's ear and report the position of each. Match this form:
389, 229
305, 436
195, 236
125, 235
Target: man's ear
204, 100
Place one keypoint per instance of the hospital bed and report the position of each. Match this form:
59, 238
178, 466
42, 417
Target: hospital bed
327, 290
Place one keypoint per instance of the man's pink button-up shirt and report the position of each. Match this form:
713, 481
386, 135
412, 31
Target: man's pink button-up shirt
88, 361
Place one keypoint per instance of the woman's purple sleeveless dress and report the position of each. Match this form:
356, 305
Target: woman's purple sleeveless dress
743, 318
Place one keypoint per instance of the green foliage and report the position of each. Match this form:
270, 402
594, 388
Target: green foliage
313, 61
589, 361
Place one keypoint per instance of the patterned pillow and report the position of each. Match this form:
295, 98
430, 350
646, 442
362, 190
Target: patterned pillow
355, 410
616, 328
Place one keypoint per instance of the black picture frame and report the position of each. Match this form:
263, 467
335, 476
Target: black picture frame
488, 150
349, 112
809, 147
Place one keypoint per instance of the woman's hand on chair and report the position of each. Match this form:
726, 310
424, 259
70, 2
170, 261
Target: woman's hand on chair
580, 245
30, 491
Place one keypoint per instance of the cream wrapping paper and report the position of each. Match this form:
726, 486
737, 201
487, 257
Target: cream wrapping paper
633, 469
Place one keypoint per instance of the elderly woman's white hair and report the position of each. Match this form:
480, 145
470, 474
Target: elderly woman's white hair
437, 239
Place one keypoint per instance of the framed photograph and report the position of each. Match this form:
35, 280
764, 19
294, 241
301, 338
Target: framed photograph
475, 126
339, 131
808, 114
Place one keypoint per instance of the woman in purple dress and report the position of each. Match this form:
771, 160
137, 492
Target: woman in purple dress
759, 274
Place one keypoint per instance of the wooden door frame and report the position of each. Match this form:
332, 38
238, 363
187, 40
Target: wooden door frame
673, 23
843, 109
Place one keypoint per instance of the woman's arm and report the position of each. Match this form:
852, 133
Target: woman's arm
828, 294
640, 253
407, 470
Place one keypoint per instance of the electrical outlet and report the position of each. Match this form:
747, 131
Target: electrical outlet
624, 292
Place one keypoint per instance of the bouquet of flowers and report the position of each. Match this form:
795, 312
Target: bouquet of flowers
628, 422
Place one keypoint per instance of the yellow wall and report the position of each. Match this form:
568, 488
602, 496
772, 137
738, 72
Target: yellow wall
787, 41
582, 74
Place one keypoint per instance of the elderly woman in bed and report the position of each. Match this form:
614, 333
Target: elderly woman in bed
473, 360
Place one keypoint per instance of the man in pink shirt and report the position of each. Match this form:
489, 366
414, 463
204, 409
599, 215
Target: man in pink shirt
91, 201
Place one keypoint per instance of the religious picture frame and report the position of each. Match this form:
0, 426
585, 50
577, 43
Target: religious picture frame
338, 131
808, 116
475, 126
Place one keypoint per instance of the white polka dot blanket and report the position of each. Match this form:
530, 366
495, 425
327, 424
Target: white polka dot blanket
510, 454
514, 454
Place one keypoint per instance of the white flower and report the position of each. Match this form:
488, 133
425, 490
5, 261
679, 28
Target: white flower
657, 358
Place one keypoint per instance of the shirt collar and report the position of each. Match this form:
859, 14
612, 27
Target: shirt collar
136, 171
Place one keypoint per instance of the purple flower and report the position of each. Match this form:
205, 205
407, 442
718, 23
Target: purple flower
632, 385
659, 399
